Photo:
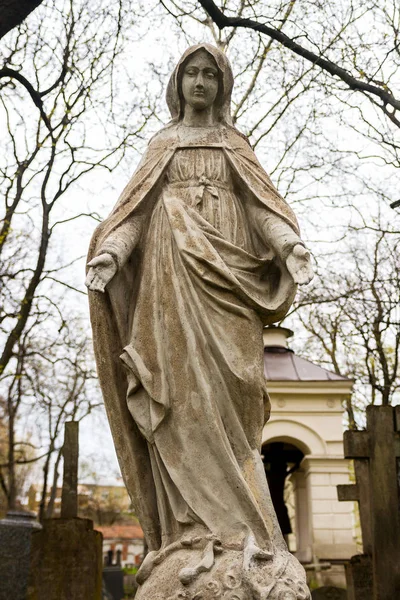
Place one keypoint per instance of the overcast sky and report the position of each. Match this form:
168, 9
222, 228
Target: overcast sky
147, 62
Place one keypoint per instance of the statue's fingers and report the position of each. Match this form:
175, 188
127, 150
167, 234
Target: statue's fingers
310, 272
97, 287
300, 276
99, 283
305, 277
94, 282
92, 287
89, 278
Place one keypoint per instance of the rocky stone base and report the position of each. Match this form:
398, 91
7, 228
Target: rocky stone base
211, 572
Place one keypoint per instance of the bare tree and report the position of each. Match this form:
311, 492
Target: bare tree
352, 317
54, 382
64, 385
61, 123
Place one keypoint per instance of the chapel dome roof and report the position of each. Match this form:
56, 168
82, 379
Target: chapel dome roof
282, 364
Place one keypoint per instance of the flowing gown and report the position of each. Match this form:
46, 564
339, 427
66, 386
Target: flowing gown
196, 387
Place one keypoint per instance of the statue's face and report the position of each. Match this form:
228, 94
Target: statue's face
200, 81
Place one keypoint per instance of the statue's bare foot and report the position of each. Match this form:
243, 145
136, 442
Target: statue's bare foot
252, 551
146, 567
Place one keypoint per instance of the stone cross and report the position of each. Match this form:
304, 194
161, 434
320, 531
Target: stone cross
317, 567
355, 492
66, 557
376, 454
69, 498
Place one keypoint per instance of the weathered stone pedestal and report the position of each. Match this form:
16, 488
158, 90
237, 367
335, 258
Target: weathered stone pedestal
199, 572
66, 561
15, 547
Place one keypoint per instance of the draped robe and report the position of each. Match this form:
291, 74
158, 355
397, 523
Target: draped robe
200, 236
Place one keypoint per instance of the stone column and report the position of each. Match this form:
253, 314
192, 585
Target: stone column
303, 522
332, 525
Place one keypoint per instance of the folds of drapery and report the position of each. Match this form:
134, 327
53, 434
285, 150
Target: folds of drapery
233, 282
196, 349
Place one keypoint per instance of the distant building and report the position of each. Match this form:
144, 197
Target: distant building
304, 461
125, 541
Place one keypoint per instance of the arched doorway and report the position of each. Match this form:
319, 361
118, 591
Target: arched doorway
281, 460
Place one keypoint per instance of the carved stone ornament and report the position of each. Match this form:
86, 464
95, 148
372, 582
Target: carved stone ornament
198, 254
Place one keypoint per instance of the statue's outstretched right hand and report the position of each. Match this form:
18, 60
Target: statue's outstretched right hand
299, 265
102, 270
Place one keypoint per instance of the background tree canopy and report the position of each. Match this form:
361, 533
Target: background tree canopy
317, 91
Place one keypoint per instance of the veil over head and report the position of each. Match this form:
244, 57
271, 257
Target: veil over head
173, 94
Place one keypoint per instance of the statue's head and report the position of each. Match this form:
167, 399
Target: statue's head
199, 81
203, 77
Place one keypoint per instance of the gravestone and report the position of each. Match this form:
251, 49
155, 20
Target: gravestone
15, 547
376, 455
105, 593
359, 577
114, 579
329, 593
113, 576
66, 560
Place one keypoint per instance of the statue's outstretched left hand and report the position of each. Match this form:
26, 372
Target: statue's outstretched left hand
299, 265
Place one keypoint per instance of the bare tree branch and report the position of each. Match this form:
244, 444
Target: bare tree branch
34, 94
14, 12
383, 93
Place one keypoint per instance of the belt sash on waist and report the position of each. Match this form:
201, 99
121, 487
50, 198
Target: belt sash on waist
201, 182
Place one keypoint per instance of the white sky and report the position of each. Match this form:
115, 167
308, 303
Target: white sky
98, 192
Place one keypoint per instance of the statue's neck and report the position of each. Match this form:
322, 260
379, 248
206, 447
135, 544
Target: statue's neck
199, 118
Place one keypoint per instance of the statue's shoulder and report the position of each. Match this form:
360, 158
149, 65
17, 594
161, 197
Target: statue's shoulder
167, 137
240, 144
235, 138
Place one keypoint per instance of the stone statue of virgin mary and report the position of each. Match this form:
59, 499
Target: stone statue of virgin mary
199, 253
